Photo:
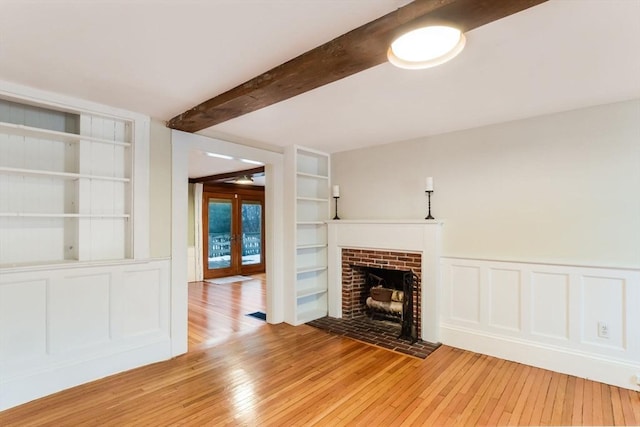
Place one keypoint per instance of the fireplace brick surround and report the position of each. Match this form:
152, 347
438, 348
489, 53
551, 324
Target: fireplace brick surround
394, 244
354, 292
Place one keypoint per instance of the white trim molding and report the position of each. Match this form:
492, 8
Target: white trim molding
548, 316
182, 143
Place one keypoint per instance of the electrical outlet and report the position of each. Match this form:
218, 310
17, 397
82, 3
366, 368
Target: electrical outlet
603, 329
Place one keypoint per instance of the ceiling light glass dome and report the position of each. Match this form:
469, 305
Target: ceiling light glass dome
426, 47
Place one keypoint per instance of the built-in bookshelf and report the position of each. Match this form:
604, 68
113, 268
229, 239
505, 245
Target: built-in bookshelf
65, 185
310, 206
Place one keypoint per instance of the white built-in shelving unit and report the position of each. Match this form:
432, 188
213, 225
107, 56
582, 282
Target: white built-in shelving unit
309, 207
65, 185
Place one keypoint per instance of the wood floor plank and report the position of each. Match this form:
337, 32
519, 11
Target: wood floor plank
498, 410
473, 411
433, 398
587, 408
627, 400
540, 398
567, 405
547, 410
496, 402
635, 404
616, 407
521, 403
578, 402
243, 371
606, 404
559, 400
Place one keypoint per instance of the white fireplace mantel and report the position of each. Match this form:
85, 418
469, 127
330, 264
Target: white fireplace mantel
419, 236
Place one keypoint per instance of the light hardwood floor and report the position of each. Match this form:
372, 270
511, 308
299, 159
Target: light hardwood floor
241, 371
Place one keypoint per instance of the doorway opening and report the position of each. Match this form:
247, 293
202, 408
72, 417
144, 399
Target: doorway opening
228, 295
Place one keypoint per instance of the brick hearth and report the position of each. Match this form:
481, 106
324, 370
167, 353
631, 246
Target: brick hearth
381, 334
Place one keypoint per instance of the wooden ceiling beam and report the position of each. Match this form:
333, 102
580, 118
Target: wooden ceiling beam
350, 53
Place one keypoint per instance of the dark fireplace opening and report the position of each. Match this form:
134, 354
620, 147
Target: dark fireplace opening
392, 295
399, 271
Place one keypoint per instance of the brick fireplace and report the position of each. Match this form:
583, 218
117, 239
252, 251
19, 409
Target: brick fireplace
356, 263
395, 245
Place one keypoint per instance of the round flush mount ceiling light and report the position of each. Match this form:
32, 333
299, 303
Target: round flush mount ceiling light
426, 47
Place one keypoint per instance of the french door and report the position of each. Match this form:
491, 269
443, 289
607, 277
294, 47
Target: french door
233, 233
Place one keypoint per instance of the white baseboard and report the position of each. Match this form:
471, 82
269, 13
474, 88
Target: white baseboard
606, 370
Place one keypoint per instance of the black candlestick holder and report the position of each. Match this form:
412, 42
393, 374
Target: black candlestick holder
429, 198
336, 217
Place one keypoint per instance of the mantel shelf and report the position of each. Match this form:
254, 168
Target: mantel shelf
386, 221
61, 175
29, 131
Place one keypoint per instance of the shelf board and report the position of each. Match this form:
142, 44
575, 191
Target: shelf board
61, 175
311, 269
310, 292
38, 263
54, 135
312, 246
60, 215
309, 315
313, 176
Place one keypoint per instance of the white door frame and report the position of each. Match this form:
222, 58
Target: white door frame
182, 143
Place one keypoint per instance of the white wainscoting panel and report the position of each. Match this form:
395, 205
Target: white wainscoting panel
465, 293
603, 300
505, 285
550, 305
546, 316
78, 312
144, 301
23, 305
67, 325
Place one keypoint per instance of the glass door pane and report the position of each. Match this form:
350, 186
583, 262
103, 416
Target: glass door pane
251, 232
219, 233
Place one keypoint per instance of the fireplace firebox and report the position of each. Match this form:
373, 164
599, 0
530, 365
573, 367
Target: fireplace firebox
390, 294
385, 272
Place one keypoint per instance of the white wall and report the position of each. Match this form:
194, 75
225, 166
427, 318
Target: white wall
557, 189
541, 237
160, 190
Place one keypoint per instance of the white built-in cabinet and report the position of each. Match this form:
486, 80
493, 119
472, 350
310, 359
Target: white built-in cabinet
65, 185
309, 207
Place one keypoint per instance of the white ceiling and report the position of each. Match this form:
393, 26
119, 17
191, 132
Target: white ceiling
161, 57
201, 164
